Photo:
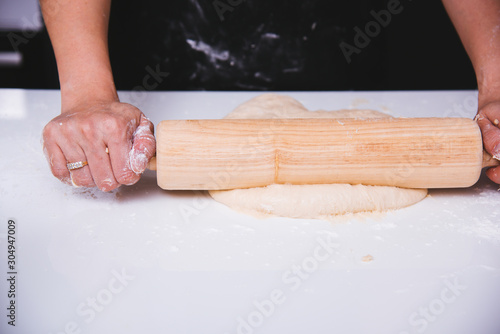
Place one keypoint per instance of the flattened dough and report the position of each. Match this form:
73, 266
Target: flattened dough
316, 201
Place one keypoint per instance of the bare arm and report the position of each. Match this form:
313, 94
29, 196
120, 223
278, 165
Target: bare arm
478, 24
116, 139
78, 32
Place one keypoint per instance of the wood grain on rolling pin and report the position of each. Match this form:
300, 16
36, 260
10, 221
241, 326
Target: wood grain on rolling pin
234, 153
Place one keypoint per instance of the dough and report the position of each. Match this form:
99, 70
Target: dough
282, 106
316, 201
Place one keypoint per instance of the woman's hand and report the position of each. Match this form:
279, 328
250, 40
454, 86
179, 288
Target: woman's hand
114, 138
477, 24
488, 119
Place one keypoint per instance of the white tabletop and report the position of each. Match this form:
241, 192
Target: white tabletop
144, 260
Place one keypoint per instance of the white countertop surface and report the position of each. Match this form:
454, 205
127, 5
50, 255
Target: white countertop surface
144, 260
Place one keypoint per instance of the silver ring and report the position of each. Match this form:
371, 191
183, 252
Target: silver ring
76, 165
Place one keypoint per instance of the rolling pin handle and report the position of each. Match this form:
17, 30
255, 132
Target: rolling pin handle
489, 161
152, 163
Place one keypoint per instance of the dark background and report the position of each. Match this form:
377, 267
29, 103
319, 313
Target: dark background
266, 45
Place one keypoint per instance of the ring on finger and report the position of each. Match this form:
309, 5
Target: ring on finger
76, 165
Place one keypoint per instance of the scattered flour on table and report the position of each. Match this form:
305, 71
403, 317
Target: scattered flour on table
488, 225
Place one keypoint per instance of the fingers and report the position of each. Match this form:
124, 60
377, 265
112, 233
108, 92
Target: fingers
57, 162
116, 140
488, 119
59, 152
119, 153
73, 138
100, 168
143, 147
80, 177
131, 154
494, 174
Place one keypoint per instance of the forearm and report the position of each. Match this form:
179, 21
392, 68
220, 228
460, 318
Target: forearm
78, 32
478, 24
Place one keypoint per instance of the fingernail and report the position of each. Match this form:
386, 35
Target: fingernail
131, 183
67, 180
73, 183
496, 152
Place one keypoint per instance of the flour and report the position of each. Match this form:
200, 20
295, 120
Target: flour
138, 157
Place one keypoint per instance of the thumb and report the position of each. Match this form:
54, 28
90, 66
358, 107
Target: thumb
494, 174
143, 146
488, 120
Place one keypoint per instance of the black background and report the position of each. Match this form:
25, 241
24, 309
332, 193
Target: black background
267, 45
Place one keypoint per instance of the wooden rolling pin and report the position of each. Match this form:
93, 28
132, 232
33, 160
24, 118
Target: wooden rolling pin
237, 153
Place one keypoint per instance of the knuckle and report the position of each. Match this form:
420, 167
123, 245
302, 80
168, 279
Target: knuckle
112, 124
81, 181
127, 108
490, 110
49, 130
127, 177
59, 172
87, 127
107, 185
87, 184
116, 128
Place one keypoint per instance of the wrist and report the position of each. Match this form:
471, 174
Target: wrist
86, 77
488, 82
87, 89
487, 93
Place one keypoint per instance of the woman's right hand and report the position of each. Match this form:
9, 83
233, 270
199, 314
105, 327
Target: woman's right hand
487, 118
115, 139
